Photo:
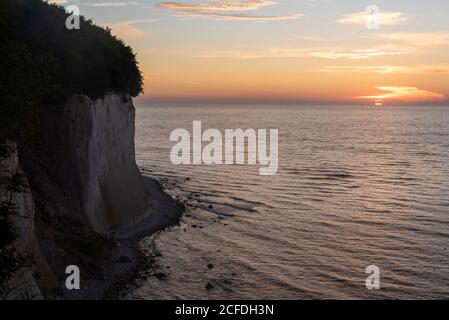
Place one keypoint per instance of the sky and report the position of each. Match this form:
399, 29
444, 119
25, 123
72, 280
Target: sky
348, 51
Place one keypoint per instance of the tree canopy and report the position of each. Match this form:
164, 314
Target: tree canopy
43, 62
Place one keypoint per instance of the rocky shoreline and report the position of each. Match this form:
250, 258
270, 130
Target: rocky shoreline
127, 260
149, 262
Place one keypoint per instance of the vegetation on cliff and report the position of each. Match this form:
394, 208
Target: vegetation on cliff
42, 62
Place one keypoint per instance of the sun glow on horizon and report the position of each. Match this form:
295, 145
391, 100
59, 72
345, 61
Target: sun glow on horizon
284, 50
404, 94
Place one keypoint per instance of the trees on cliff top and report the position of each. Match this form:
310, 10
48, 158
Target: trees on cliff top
42, 62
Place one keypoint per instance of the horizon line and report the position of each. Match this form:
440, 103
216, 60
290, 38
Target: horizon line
233, 100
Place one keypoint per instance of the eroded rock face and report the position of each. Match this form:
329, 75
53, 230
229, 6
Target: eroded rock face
22, 283
82, 184
82, 166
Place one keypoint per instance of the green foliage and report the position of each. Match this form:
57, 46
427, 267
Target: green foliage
42, 62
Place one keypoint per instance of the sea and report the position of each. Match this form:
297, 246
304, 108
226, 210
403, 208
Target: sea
356, 186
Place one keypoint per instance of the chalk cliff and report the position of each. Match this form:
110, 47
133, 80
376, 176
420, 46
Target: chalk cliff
85, 201
82, 167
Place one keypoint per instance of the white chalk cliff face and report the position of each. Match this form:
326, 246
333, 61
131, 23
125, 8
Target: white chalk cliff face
113, 190
82, 169
83, 189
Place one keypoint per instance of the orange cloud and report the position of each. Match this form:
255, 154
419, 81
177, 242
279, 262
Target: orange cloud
216, 6
273, 53
240, 17
353, 54
404, 94
431, 69
221, 10
382, 18
128, 29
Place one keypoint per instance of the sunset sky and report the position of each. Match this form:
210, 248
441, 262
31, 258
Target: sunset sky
284, 50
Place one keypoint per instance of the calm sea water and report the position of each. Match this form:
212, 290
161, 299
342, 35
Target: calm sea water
356, 186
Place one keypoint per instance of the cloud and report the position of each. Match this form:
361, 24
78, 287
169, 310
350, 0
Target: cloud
314, 52
113, 4
382, 18
224, 10
435, 69
270, 53
226, 17
353, 54
216, 5
356, 69
308, 38
128, 29
404, 94
424, 39
58, 2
